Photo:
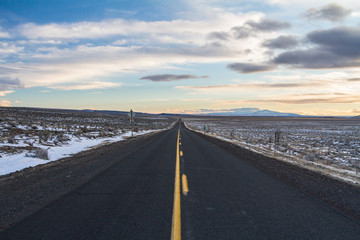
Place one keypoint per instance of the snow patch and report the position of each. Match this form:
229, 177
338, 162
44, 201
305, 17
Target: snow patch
16, 162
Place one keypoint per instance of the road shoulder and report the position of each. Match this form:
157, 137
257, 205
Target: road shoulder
24, 192
342, 196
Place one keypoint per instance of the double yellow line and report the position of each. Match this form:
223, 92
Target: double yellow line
176, 218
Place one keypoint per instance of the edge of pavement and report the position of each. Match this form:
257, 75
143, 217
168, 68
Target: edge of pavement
338, 194
29, 190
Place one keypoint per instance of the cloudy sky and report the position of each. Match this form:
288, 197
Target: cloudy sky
181, 56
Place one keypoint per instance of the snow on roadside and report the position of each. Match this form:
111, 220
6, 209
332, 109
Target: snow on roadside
16, 162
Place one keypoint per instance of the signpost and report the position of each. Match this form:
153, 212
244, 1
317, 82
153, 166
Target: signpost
204, 129
132, 115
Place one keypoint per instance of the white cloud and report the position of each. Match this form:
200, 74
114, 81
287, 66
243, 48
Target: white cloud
297, 8
120, 42
309, 3
49, 41
53, 66
185, 42
252, 87
339, 80
4, 34
87, 86
4, 93
286, 88
121, 27
135, 45
9, 48
355, 14
4, 103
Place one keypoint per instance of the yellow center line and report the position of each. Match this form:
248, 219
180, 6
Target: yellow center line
176, 218
185, 187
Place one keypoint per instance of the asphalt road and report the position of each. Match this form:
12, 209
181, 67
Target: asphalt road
228, 199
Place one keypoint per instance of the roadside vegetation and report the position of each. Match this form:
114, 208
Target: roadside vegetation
33, 131
331, 142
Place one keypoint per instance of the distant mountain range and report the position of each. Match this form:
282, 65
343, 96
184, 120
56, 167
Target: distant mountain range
113, 112
253, 112
248, 112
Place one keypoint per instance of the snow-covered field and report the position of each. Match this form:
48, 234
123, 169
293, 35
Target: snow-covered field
15, 162
330, 142
30, 137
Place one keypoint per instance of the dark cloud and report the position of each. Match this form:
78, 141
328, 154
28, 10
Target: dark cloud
247, 51
250, 28
214, 45
250, 67
267, 25
282, 42
170, 77
219, 35
354, 79
7, 83
331, 12
335, 48
311, 58
341, 40
257, 86
241, 32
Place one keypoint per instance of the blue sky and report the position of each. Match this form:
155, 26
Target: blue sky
181, 56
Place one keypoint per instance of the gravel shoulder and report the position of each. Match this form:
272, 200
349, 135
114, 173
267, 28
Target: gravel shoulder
343, 196
24, 192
